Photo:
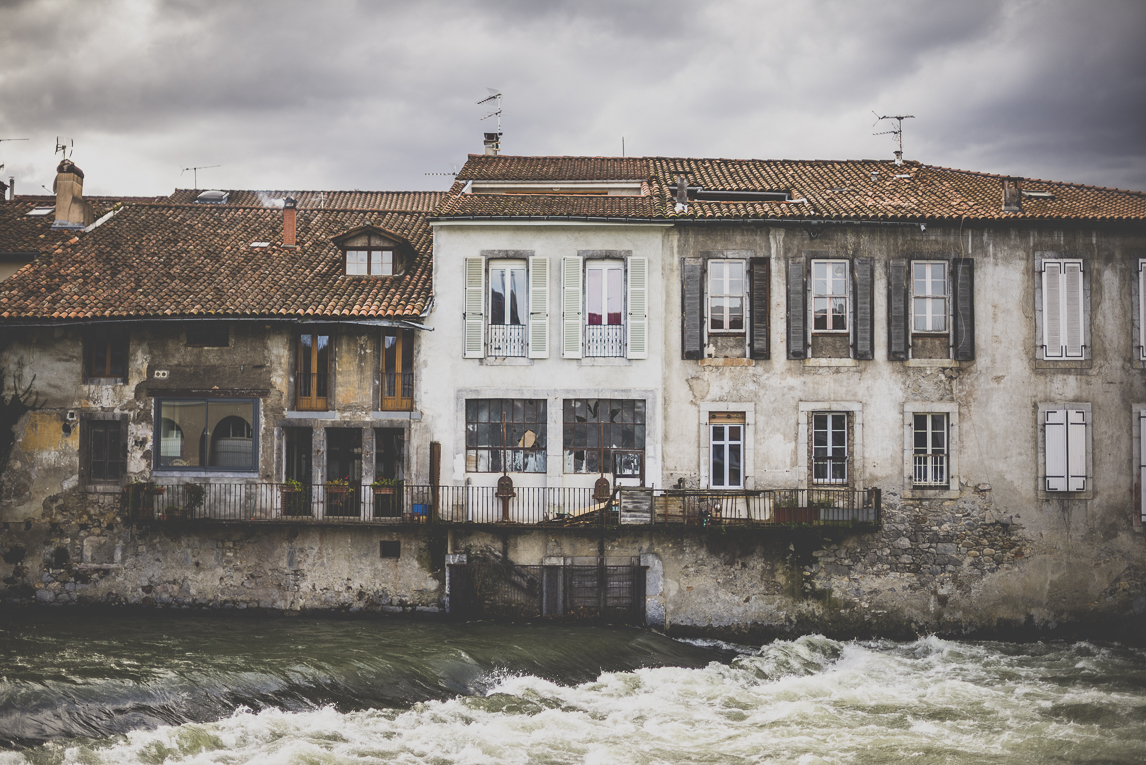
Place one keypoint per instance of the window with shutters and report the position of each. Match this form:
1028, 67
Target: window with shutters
1065, 460
604, 305
724, 306
105, 356
505, 435
506, 305
929, 297
1062, 287
930, 309
930, 465
604, 436
103, 450
838, 307
1140, 312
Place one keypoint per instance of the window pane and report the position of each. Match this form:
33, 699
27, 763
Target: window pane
839, 313
497, 296
517, 296
717, 313
735, 313
615, 295
716, 275
376, 262
594, 281
734, 464
718, 464
387, 262
182, 432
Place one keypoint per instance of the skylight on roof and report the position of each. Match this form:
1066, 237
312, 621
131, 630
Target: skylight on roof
260, 244
212, 198
37, 212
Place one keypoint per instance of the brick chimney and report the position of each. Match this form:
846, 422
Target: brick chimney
72, 211
289, 212
1013, 195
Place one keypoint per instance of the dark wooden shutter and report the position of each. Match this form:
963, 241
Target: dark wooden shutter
797, 310
691, 309
963, 303
864, 315
758, 306
897, 314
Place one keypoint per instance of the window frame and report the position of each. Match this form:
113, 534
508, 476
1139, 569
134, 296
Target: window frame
743, 296
1041, 325
910, 489
538, 449
314, 402
104, 420
832, 447
157, 414
113, 342
605, 264
726, 443
606, 455
370, 250
930, 297
847, 296
855, 442
402, 398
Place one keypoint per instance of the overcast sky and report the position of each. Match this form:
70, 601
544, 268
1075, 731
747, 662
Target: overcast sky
296, 94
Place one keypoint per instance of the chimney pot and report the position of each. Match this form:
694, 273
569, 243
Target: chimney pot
492, 144
289, 212
1013, 195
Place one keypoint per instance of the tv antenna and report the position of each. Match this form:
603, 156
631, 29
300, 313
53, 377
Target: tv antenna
65, 150
2, 140
494, 95
896, 131
195, 172
452, 173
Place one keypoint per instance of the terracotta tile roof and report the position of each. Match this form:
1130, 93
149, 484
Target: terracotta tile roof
481, 167
21, 233
414, 201
162, 259
818, 190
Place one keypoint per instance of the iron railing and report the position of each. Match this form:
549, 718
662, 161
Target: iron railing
507, 340
528, 506
605, 340
929, 470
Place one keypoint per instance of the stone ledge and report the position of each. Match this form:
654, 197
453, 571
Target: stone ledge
728, 362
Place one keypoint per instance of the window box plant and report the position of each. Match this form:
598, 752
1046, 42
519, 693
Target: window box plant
294, 500
338, 496
385, 504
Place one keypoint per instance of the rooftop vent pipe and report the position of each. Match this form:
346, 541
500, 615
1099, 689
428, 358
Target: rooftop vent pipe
1013, 195
289, 205
72, 210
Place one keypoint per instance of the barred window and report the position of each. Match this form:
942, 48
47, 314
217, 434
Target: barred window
505, 435
604, 436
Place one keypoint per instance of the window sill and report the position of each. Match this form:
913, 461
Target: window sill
938, 493
604, 361
295, 414
1041, 494
732, 362
950, 363
506, 361
1064, 364
829, 362
396, 415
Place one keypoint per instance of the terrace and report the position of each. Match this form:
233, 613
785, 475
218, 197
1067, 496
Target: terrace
526, 507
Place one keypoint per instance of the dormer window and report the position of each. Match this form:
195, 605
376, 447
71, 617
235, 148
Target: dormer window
370, 262
371, 251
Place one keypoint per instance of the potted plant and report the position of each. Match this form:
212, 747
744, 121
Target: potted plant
294, 502
384, 490
338, 496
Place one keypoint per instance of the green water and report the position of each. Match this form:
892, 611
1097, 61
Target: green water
96, 687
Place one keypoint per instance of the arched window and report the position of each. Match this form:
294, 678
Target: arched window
231, 443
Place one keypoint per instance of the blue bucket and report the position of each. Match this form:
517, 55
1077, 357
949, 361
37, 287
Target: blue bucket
421, 511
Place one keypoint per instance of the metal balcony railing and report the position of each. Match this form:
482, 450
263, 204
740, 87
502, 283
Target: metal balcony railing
507, 340
606, 340
529, 506
929, 470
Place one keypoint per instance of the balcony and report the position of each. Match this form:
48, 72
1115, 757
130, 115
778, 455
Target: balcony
605, 340
397, 391
929, 471
311, 392
507, 340
466, 505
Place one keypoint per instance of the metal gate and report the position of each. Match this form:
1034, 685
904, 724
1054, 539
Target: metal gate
503, 590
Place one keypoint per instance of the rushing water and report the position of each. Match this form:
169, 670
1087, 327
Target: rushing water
96, 688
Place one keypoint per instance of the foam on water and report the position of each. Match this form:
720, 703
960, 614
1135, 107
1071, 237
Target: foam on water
811, 700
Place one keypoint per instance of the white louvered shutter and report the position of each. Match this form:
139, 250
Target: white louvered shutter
1052, 310
1072, 310
571, 307
1076, 449
637, 331
475, 302
1142, 310
1055, 437
1142, 464
538, 308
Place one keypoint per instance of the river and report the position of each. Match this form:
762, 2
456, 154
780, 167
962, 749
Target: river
129, 688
